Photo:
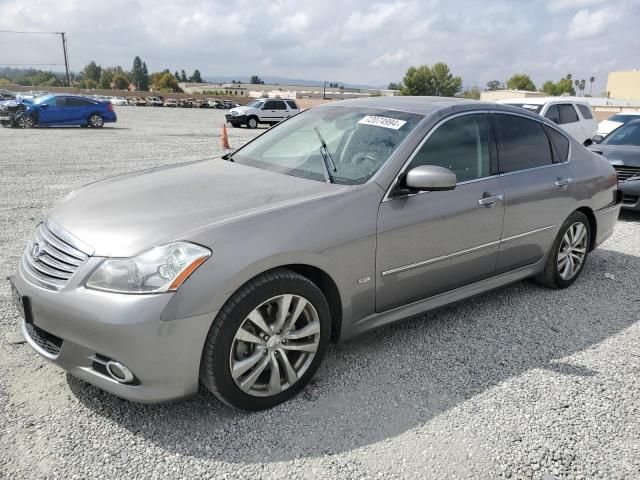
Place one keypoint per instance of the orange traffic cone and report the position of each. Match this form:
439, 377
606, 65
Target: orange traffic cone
225, 139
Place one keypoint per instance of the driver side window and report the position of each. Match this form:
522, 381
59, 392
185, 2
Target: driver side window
461, 145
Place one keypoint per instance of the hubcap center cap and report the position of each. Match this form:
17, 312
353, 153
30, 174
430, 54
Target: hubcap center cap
274, 342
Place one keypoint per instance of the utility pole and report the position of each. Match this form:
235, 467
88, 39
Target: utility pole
324, 91
66, 58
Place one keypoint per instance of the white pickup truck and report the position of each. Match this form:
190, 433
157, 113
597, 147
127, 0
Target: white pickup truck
263, 110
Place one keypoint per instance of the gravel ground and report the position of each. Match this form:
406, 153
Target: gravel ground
522, 382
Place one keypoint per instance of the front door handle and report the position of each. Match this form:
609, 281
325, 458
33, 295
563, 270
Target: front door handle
489, 199
563, 182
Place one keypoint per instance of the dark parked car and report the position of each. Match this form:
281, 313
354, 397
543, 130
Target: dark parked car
622, 148
62, 110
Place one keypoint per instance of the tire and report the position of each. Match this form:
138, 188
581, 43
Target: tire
573, 236
25, 121
254, 387
252, 122
95, 121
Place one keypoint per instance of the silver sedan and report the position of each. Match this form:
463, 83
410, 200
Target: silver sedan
237, 272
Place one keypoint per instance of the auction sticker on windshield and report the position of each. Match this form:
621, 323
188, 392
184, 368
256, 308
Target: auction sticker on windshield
384, 122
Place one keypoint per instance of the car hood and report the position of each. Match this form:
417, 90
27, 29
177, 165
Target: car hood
124, 215
619, 154
607, 126
241, 110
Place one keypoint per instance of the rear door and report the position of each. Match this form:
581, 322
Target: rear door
274, 111
432, 242
538, 189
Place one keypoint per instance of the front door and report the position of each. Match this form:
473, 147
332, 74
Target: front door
436, 241
51, 111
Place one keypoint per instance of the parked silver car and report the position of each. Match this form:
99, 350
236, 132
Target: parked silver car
238, 272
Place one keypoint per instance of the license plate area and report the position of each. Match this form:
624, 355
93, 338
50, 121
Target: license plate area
22, 303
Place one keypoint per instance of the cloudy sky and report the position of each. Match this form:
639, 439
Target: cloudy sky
355, 41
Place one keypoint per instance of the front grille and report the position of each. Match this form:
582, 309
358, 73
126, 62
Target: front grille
50, 259
625, 172
45, 340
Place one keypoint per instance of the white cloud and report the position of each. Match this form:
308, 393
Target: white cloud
586, 23
390, 58
557, 5
368, 22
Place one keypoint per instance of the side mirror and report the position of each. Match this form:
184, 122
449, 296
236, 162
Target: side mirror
44, 106
431, 178
597, 138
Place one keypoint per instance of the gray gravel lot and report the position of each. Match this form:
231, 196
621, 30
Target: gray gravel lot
523, 382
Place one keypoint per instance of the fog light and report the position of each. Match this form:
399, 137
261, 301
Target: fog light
119, 372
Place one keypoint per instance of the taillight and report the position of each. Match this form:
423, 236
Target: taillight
110, 107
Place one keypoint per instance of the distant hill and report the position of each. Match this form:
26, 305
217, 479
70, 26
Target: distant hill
281, 81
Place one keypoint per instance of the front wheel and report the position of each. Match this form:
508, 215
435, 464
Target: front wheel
267, 341
252, 122
568, 253
25, 121
96, 121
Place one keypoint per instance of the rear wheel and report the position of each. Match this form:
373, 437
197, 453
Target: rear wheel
96, 121
252, 122
267, 341
568, 253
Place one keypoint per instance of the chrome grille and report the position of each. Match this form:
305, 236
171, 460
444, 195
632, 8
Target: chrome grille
52, 259
625, 172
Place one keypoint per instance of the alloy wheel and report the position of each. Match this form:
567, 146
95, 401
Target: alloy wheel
96, 121
253, 123
572, 251
25, 121
274, 345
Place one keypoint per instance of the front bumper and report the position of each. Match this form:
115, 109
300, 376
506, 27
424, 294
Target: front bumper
630, 194
238, 119
90, 326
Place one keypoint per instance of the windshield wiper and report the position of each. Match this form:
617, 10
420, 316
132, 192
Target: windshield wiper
327, 161
228, 156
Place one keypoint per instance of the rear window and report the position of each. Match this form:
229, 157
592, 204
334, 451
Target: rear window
560, 145
623, 118
585, 111
567, 113
292, 104
523, 144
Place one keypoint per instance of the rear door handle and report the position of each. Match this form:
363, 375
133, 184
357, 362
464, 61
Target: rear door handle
490, 200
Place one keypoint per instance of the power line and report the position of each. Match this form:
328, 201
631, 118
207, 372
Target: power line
28, 64
35, 33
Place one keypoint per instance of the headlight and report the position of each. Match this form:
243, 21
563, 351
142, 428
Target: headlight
234, 113
161, 269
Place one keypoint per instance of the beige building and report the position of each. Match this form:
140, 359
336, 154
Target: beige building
624, 85
495, 95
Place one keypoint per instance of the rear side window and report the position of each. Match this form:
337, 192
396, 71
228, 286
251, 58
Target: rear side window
77, 102
292, 104
523, 144
553, 114
567, 113
461, 145
585, 111
275, 105
560, 144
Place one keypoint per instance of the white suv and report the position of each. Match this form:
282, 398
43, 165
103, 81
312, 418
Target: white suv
573, 116
263, 110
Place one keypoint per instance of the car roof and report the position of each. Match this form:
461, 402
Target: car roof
543, 100
419, 105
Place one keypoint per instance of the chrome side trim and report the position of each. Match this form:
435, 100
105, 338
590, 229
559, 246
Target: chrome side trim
438, 259
463, 252
531, 232
609, 208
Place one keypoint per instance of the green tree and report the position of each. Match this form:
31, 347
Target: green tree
120, 82
196, 77
92, 72
255, 80
494, 85
90, 83
165, 82
47, 79
394, 86
521, 81
176, 75
591, 80
549, 87
106, 78
472, 93
183, 76
140, 74
437, 80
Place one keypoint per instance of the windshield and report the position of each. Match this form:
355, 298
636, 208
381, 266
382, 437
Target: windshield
628, 134
41, 100
527, 106
358, 140
255, 104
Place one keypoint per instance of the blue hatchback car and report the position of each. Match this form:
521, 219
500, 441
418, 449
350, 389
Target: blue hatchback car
66, 110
